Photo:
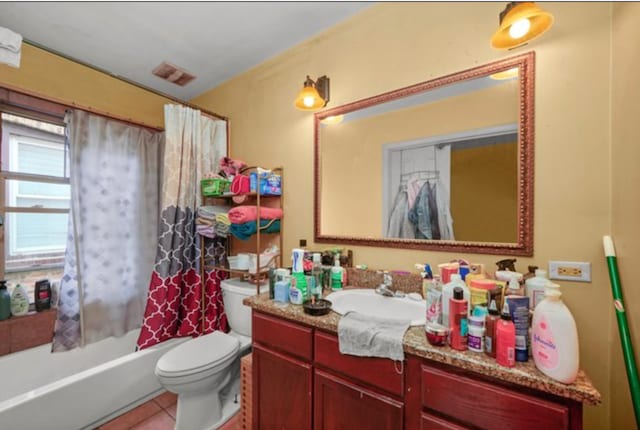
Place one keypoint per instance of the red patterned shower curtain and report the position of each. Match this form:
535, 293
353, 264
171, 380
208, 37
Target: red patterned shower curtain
194, 145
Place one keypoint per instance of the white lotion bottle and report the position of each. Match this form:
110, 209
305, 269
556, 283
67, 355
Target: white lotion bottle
554, 338
447, 294
536, 286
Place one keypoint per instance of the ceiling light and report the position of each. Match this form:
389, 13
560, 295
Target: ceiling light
520, 22
314, 94
505, 74
333, 119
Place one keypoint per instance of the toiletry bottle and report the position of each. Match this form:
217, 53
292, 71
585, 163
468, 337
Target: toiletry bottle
433, 300
530, 274
505, 339
535, 287
337, 274
316, 274
296, 295
491, 321
555, 338
514, 288
281, 291
19, 301
272, 283
5, 301
42, 295
458, 319
447, 294
475, 339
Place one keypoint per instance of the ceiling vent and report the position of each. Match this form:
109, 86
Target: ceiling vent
173, 74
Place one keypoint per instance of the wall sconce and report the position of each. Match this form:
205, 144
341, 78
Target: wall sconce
314, 95
520, 22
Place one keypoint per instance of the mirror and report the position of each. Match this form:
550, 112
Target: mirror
443, 165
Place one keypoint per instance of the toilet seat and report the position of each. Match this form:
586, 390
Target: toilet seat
204, 353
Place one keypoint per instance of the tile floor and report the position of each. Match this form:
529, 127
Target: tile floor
157, 414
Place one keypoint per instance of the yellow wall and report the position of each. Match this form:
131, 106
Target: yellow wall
51, 76
352, 161
392, 45
626, 193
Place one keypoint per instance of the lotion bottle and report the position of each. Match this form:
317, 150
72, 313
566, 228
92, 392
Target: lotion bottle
458, 320
337, 274
536, 287
555, 338
491, 322
447, 295
5, 301
506, 339
19, 301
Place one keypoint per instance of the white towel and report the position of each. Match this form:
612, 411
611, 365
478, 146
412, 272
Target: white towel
10, 47
368, 336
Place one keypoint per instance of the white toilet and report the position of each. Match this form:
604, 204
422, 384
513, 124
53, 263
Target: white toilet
205, 371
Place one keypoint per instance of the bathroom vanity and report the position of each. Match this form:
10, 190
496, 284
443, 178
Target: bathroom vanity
301, 381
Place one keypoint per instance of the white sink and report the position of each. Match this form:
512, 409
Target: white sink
368, 302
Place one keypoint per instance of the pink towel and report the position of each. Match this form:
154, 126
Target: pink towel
242, 214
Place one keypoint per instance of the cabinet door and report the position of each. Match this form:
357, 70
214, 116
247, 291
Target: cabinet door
430, 422
340, 405
281, 391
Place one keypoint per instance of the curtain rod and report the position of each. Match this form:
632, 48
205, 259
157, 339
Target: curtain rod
123, 79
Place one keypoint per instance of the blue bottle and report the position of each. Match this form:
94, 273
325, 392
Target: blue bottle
5, 301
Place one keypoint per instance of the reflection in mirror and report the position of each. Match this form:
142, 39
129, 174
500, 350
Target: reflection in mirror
444, 164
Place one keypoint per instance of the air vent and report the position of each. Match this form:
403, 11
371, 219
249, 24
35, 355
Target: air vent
173, 74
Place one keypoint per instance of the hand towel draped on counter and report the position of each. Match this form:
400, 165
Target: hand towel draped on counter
369, 336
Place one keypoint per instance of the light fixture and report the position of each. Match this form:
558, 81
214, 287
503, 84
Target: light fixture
314, 95
520, 22
332, 120
505, 74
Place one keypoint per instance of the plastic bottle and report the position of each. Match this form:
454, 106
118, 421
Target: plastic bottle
555, 338
5, 301
433, 298
535, 287
316, 274
458, 319
447, 294
42, 295
337, 274
475, 340
491, 322
505, 339
19, 301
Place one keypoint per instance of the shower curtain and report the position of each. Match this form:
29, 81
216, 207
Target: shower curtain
194, 146
112, 228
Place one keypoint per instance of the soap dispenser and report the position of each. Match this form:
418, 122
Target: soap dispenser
337, 274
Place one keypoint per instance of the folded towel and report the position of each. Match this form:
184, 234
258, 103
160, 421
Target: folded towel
245, 230
242, 214
10, 47
210, 212
205, 230
368, 336
223, 219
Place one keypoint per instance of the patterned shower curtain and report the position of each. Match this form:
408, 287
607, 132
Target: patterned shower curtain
112, 228
194, 145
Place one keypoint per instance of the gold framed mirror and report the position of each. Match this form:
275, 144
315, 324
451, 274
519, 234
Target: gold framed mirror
442, 165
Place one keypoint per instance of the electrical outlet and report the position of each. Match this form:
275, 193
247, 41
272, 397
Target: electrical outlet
570, 271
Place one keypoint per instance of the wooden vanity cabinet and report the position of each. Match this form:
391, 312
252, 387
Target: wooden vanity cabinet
301, 381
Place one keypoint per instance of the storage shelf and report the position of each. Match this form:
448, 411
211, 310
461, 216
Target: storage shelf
253, 194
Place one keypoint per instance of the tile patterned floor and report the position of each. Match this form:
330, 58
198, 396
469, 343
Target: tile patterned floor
157, 414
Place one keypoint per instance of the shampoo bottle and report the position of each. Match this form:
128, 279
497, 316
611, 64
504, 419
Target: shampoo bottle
19, 301
5, 301
458, 319
447, 294
506, 339
535, 287
491, 322
555, 338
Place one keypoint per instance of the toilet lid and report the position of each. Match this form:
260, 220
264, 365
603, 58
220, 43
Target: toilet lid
198, 354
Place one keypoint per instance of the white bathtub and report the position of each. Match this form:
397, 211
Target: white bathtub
78, 389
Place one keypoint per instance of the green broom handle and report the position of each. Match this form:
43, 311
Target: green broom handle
623, 326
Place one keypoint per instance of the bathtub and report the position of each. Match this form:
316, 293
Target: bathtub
78, 389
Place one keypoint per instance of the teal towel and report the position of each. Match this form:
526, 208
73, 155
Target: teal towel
245, 230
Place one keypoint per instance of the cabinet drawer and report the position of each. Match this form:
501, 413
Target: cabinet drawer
378, 372
430, 422
281, 335
487, 406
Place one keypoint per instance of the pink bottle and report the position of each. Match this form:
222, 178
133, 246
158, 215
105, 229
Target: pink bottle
505, 339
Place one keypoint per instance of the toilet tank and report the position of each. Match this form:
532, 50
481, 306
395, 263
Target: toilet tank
239, 315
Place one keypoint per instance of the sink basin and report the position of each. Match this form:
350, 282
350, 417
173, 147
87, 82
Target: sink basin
367, 302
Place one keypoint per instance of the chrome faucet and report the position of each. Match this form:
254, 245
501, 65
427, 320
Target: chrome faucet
384, 289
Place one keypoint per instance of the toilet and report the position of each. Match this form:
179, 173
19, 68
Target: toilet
205, 371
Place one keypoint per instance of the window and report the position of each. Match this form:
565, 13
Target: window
35, 179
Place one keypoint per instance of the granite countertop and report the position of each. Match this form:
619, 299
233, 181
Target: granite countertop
415, 343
